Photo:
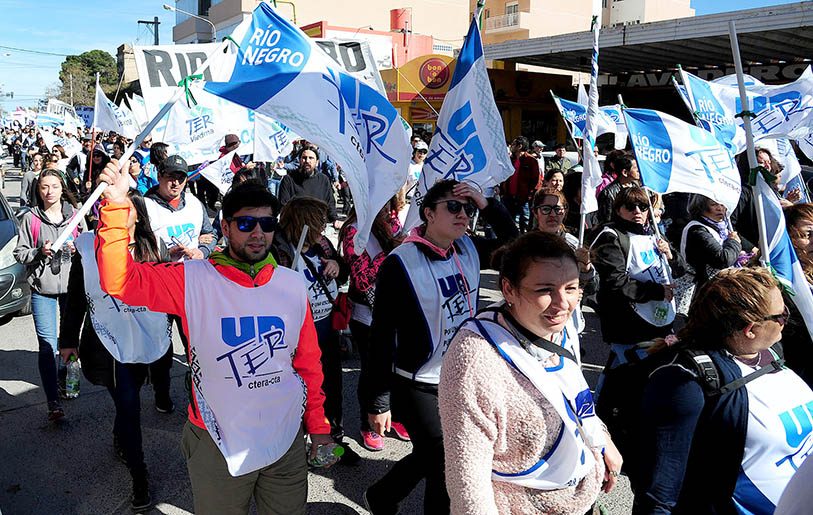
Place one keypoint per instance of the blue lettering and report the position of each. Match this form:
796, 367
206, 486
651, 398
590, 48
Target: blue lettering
228, 330
796, 430
450, 285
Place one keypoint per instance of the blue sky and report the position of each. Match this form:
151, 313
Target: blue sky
73, 27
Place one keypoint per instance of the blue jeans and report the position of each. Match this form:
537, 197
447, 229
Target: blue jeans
125, 392
46, 324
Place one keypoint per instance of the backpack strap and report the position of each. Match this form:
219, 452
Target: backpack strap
540, 342
709, 376
36, 224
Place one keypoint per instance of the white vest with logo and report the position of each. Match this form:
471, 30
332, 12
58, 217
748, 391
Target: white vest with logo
779, 438
183, 224
320, 303
711, 272
565, 388
131, 334
242, 342
645, 264
446, 296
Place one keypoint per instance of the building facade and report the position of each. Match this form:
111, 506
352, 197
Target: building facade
445, 20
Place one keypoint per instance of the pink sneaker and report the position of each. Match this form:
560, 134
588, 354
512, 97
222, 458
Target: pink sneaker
372, 441
397, 430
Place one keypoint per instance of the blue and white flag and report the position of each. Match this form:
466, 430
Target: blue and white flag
469, 140
282, 73
107, 116
49, 120
782, 256
272, 139
784, 111
674, 156
608, 120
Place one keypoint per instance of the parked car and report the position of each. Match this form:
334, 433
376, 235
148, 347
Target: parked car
15, 294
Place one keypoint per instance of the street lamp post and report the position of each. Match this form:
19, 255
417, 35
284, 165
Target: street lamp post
214, 30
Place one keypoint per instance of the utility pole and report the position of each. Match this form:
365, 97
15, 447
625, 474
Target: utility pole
154, 24
70, 75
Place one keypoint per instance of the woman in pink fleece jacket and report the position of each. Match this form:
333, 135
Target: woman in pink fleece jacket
520, 433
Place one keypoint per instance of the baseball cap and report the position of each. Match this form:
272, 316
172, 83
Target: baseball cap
421, 145
174, 164
538, 143
231, 139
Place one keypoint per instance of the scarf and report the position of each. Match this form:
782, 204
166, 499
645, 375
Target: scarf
721, 226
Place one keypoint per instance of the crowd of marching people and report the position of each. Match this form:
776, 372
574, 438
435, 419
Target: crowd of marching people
704, 391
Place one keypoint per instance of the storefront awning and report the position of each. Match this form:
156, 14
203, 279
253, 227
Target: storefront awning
768, 36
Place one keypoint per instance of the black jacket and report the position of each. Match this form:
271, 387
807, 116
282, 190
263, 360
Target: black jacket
606, 199
317, 185
702, 249
396, 311
617, 290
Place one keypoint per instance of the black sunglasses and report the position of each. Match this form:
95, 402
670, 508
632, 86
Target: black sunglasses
454, 207
779, 319
630, 206
547, 209
248, 223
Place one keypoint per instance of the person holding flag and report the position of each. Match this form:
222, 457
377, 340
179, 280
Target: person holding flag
796, 339
233, 451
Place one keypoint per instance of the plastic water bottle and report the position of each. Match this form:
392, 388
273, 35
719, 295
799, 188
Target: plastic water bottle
65, 253
72, 381
327, 455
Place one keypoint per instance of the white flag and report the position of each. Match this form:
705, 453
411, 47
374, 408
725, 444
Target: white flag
107, 116
219, 172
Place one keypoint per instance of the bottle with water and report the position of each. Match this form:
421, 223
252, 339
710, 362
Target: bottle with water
72, 381
327, 455
65, 253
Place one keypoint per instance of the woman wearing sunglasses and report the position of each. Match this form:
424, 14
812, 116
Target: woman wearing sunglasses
736, 451
427, 287
323, 271
550, 209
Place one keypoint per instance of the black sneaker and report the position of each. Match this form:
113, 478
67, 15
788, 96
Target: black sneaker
377, 507
141, 500
54, 411
163, 403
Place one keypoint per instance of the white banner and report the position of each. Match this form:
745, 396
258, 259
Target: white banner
356, 57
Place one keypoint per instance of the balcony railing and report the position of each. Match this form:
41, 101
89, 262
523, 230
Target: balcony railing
502, 22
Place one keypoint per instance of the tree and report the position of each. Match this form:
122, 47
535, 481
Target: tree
78, 77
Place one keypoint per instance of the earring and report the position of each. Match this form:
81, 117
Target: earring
510, 305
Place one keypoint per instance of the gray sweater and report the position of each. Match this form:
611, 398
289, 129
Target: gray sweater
27, 188
43, 276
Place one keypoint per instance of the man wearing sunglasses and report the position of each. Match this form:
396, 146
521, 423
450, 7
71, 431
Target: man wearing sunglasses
254, 359
177, 218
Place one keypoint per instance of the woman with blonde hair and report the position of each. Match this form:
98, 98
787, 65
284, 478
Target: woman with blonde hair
740, 443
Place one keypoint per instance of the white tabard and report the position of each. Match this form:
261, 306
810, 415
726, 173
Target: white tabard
242, 342
131, 334
564, 386
778, 438
320, 303
184, 224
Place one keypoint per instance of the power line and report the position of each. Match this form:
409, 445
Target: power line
33, 51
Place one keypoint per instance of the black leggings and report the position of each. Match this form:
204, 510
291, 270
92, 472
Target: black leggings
416, 406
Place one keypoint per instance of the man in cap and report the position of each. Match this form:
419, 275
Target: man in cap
178, 220
419, 151
559, 161
537, 147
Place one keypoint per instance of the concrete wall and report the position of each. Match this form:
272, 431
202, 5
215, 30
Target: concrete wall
658, 10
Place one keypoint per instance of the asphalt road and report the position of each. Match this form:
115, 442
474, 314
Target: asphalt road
69, 467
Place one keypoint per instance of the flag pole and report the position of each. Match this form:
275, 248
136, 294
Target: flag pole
125, 158
582, 216
749, 139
